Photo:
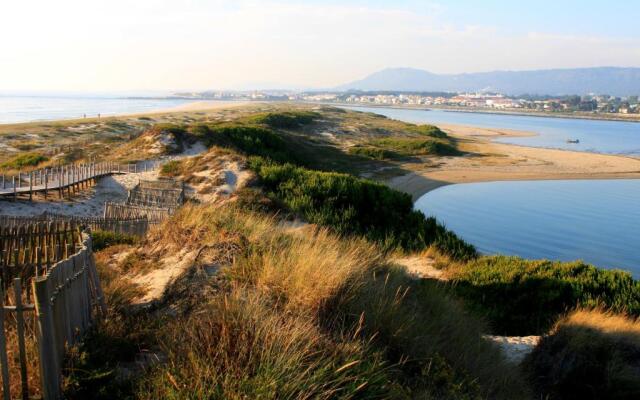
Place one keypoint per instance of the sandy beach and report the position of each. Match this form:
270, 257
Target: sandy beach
487, 161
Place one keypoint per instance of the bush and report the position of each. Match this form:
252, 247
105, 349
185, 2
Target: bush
251, 140
372, 152
588, 355
103, 239
24, 160
524, 297
352, 205
430, 130
171, 168
414, 147
287, 119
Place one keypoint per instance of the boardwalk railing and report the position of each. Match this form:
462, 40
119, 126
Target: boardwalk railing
63, 295
64, 179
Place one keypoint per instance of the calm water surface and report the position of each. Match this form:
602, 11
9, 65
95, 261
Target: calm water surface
31, 108
597, 221
615, 137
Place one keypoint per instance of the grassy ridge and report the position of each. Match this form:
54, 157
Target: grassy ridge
524, 297
352, 205
345, 203
355, 325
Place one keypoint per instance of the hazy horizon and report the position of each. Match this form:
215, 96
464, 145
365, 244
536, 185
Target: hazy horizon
163, 46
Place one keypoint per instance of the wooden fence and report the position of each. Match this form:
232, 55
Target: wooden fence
64, 296
154, 215
128, 226
29, 249
137, 226
163, 193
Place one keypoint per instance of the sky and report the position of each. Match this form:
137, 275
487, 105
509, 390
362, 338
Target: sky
135, 45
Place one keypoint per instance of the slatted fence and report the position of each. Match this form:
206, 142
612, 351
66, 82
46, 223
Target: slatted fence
163, 193
154, 215
128, 226
55, 259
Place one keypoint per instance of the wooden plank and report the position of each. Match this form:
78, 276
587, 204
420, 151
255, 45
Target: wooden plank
4, 360
50, 373
17, 289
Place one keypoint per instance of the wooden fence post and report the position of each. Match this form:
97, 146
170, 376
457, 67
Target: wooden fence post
49, 366
6, 385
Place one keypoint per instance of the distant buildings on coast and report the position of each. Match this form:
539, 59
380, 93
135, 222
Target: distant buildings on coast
496, 101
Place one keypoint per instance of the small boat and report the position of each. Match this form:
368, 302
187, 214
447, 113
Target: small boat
573, 140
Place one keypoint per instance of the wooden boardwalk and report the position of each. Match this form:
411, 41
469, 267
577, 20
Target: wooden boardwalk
61, 180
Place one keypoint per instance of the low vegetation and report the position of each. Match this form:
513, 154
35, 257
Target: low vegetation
524, 297
355, 325
286, 119
24, 160
372, 152
588, 355
429, 130
352, 205
103, 239
415, 147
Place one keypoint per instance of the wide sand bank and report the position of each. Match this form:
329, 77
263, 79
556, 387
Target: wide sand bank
487, 161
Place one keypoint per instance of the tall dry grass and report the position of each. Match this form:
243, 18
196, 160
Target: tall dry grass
588, 354
301, 305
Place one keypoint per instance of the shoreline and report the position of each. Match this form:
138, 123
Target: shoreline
194, 106
537, 114
490, 161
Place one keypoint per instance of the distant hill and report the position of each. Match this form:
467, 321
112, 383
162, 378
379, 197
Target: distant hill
602, 80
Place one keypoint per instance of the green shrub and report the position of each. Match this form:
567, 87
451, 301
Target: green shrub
352, 205
103, 239
430, 130
588, 355
286, 119
524, 297
372, 152
171, 168
24, 160
251, 140
414, 147
176, 130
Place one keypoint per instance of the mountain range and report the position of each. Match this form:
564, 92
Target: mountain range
614, 81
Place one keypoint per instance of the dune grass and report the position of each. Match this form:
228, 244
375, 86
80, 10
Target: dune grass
103, 239
588, 355
24, 160
286, 119
301, 315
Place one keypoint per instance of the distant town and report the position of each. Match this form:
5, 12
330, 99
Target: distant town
603, 104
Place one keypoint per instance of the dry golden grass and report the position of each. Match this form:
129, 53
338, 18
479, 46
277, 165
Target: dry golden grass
588, 354
616, 326
298, 306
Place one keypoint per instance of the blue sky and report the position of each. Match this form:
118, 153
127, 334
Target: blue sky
198, 44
